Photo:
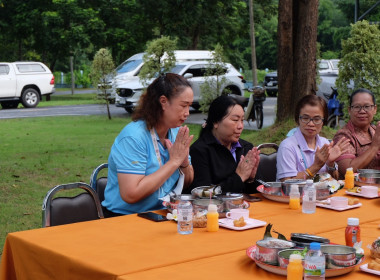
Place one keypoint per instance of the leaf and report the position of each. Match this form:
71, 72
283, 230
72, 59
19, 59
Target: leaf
280, 236
267, 231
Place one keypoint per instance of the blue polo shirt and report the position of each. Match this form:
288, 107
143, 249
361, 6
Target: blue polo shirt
133, 153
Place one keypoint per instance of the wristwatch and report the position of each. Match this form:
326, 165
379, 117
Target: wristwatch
332, 168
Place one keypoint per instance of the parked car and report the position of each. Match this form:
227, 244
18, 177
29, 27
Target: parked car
24, 82
328, 71
270, 83
128, 94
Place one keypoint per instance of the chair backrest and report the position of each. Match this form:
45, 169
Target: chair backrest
267, 168
70, 209
99, 184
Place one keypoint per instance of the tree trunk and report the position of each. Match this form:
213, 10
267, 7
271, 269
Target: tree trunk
253, 43
297, 43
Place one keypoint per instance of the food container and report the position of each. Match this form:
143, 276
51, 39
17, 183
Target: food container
231, 201
303, 240
287, 183
368, 171
274, 188
338, 256
267, 249
200, 205
284, 255
370, 178
206, 191
323, 190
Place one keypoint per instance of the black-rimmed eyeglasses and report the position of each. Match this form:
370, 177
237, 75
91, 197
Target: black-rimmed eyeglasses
315, 120
358, 108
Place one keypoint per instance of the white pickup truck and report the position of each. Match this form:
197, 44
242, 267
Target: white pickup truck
24, 82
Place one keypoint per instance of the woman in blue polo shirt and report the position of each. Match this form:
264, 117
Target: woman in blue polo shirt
150, 157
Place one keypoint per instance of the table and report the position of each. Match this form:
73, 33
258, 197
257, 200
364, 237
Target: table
129, 247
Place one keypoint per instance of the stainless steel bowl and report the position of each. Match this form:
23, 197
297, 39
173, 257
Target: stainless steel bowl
368, 171
267, 250
274, 188
231, 201
284, 255
338, 256
202, 204
287, 183
178, 198
370, 178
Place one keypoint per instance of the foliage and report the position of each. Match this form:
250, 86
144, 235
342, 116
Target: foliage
214, 79
359, 65
102, 72
159, 58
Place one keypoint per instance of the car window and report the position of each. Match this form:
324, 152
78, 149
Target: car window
4, 69
25, 68
323, 65
177, 69
335, 64
128, 66
196, 70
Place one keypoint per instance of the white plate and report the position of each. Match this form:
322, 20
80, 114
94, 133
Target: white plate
339, 208
362, 195
330, 272
365, 268
251, 223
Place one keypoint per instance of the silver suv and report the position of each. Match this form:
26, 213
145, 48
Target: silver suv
128, 94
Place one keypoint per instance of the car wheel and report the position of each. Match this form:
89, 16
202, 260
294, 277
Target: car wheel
335, 122
272, 93
10, 104
30, 98
196, 106
130, 110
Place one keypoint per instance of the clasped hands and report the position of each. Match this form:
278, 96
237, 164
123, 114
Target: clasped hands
248, 164
179, 151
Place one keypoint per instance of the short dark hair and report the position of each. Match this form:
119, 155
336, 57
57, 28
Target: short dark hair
362, 90
149, 108
312, 100
219, 110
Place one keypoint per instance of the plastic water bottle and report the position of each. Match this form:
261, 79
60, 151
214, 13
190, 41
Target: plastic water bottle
185, 217
315, 262
309, 198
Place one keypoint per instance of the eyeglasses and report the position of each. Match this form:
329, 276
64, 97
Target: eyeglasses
315, 120
358, 108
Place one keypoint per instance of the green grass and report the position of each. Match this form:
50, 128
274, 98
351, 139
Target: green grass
39, 153
68, 99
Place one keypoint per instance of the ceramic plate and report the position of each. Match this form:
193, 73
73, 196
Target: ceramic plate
365, 268
278, 198
282, 271
339, 208
251, 223
362, 195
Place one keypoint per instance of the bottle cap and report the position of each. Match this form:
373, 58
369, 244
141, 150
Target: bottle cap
212, 208
309, 181
349, 169
295, 257
353, 221
315, 246
294, 189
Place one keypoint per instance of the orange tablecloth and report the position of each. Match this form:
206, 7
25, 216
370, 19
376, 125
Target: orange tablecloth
132, 247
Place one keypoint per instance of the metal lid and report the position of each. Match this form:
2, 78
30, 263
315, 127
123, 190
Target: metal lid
230, 196
307, 238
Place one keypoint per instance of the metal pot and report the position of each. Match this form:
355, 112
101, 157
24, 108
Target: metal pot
287, 183
177, 198
200, 205
274, 188
303, 240
370, 178
338, 256
231, 201
267, 253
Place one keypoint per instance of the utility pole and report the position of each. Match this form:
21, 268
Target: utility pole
253, 43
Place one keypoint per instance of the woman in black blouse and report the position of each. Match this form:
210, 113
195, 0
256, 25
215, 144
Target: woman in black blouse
219, 156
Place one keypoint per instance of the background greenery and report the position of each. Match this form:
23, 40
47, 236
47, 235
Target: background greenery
52, 30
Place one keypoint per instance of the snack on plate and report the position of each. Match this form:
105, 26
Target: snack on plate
374, 264
375, 248
353, 201
200, 219
240, 222
353, 190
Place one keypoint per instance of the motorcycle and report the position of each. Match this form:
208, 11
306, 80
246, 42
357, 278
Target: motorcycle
255, 107
335, 109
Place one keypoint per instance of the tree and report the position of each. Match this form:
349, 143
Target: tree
359, 65
214, 79
297, 43
159, 58
103, 71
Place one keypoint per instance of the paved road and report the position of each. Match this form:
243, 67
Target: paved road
95, 109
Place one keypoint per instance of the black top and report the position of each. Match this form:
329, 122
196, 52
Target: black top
214, 164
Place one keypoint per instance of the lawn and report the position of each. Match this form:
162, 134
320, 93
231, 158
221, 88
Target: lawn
39, 153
